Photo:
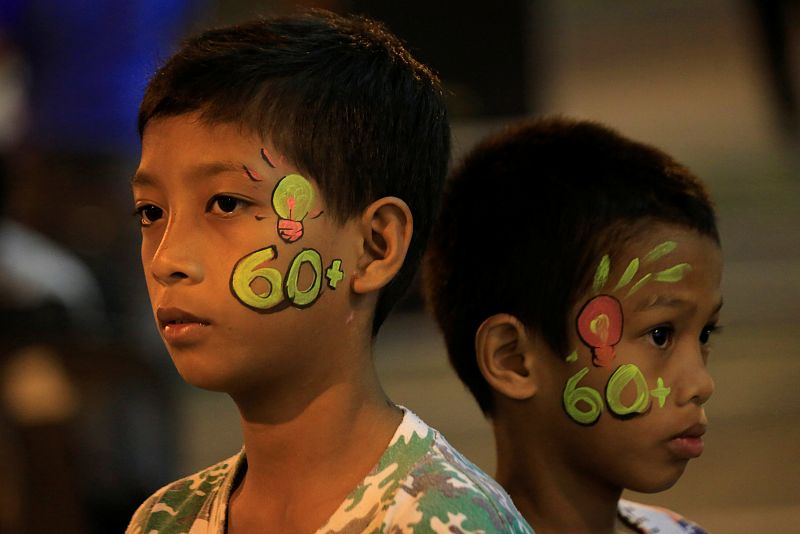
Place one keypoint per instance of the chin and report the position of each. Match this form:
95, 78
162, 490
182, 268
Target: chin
656, 481
202, 381
197, 372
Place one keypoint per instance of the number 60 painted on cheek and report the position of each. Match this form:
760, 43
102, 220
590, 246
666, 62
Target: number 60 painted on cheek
593, 402
250, 268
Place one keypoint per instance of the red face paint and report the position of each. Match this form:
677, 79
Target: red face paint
266, 158
600, 327
289, 230
252, 174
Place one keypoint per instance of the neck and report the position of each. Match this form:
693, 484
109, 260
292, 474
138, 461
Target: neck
334, 426
299, 438
553, 495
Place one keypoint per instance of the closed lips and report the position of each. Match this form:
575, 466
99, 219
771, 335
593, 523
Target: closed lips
167, 316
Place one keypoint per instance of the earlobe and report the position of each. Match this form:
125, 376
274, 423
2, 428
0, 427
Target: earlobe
386, 229
504, 358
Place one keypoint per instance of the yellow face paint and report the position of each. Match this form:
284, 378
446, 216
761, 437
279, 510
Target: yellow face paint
582, 403
660, 392
248, 271
624, 375
302, 298
599, 326
292, 199
601, 274
585, 405
334, 273
264, 288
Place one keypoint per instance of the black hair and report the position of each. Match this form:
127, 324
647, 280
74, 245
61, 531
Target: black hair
339, 96
525, 218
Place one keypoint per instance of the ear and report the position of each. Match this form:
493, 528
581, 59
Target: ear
386, 228
504, 357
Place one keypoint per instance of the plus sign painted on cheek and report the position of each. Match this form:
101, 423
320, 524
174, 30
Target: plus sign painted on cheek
334, 273
660, 392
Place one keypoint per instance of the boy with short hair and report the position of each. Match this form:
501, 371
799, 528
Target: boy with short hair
284, 164
576, 277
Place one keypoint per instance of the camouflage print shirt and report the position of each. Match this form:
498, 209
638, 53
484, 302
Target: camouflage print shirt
655, 520
421, 484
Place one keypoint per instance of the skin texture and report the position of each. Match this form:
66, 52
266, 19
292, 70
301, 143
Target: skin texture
567, 477
298, 376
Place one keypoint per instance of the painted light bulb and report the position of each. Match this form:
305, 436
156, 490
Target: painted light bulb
600, 327
292, 200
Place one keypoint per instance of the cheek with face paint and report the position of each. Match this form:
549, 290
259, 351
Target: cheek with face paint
255, 281
261, 287
626, 394
599, 324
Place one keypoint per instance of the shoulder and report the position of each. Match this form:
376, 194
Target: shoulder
654, 519
442, 491
175, 507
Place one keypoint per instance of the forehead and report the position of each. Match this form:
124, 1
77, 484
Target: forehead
664, 263
187, 137
186, 151
663, 245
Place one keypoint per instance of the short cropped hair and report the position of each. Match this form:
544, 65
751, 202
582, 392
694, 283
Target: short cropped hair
339, 96
527, 215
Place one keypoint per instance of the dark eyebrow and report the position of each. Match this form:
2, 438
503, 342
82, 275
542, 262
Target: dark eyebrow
671, 302
141, 179
662, 300
201, 171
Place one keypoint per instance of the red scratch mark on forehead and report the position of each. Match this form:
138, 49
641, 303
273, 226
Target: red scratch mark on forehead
252, 174
266, 158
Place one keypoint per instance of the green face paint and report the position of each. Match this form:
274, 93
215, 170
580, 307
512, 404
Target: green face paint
583, 404
670, 275
250, 269
673, 274
601, 274
303, 298
659, 251
638, 285
624, 375
334, 274
292, 199
628, 275
660, 392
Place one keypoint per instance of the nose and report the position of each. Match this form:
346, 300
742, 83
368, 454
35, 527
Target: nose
696, 385
178, 258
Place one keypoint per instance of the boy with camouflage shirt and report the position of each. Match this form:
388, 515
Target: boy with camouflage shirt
284, 164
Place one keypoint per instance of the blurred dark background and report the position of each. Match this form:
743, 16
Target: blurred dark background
93, 417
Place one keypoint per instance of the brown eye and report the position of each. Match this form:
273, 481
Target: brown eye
225, 204
705, 335
661, 336
149, 214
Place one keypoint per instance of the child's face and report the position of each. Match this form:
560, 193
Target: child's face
247, 274
628, 402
